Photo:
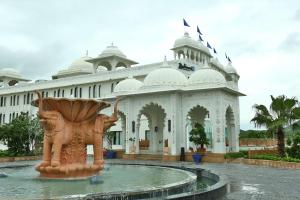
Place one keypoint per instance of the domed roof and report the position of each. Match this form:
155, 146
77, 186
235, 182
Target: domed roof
128, 85
165, 76
207, 76
10, 73
81, 64
112, 51
215, 61
230, 69
186, 40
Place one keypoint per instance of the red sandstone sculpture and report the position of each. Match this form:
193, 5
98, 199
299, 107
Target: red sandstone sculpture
69, 126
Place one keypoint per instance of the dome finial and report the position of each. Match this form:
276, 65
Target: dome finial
165, 63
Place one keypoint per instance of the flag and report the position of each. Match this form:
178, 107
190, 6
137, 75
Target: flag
198, 30
226, 56
185, 23
200, 38
229, 60
208, 45
215, 51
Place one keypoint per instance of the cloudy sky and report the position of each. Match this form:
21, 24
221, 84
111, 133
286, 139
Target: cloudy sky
262, 37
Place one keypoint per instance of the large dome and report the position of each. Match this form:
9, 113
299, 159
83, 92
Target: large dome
230, 69
81, 64
186, 40
10, 72
215, 61
112, 51
165, 76
207, 77
128, 85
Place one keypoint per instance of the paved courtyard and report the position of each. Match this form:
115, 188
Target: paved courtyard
250, 182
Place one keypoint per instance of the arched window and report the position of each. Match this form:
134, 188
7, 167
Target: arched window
58, 93
94, 91
9, 117
46, 94
3, 118
90, 88
24, 99
4, 102
63, 93
43, 94
31, 96
18, 98
14, 102
11, 100
80, 92
54, 93
28, 98
75, 92
112, 87
99, 91
71, 92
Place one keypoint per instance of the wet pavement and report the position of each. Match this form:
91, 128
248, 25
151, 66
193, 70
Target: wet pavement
250, 182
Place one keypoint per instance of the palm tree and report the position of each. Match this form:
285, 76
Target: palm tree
283, 112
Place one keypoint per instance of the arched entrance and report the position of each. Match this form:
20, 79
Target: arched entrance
229, 130
199, 114
151, 139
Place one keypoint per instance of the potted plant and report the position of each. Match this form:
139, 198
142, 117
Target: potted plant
132, 148
110, 153
198, 137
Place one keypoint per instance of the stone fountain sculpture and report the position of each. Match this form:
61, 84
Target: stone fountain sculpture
69, 126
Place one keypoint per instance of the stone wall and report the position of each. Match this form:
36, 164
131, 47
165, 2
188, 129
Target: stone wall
258, 142
22, 158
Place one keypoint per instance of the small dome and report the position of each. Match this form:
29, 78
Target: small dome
215, 61
112, 51
128, 85
207, 76
81, 64
230, 69
165, 76
10, 72
186, 40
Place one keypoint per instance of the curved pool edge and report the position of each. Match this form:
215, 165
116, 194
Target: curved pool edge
181, 191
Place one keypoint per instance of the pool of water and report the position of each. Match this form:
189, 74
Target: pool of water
24, 182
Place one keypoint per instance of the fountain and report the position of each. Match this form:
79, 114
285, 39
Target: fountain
69, 126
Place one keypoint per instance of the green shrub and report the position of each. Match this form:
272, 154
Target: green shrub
294, 150
266, 157
241, 154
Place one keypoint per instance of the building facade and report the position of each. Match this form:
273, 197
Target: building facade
160, 101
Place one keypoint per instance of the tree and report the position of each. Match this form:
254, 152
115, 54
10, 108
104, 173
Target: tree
21, 134
283, 112
198, 136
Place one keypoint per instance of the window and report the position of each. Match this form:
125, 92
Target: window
117, 138
3, 118
46, 94
75, 92
58, 93
99, 91
11, 99
71, 92
14, 100
94, 91
9, 117
43, 94
80, 92
28, 98
31, 96
90, 91
63, 93
4, 102
24, 99
1, 102
54, 93
18, 99
112, 87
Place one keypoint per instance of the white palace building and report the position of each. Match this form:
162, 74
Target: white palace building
160, 101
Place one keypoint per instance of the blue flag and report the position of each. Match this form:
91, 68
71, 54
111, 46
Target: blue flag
198, 30
226, 56
208, 45
185, 23
229, 60
200, 38
215, 51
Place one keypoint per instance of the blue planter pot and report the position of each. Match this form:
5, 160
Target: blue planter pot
111, 154
197, 158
